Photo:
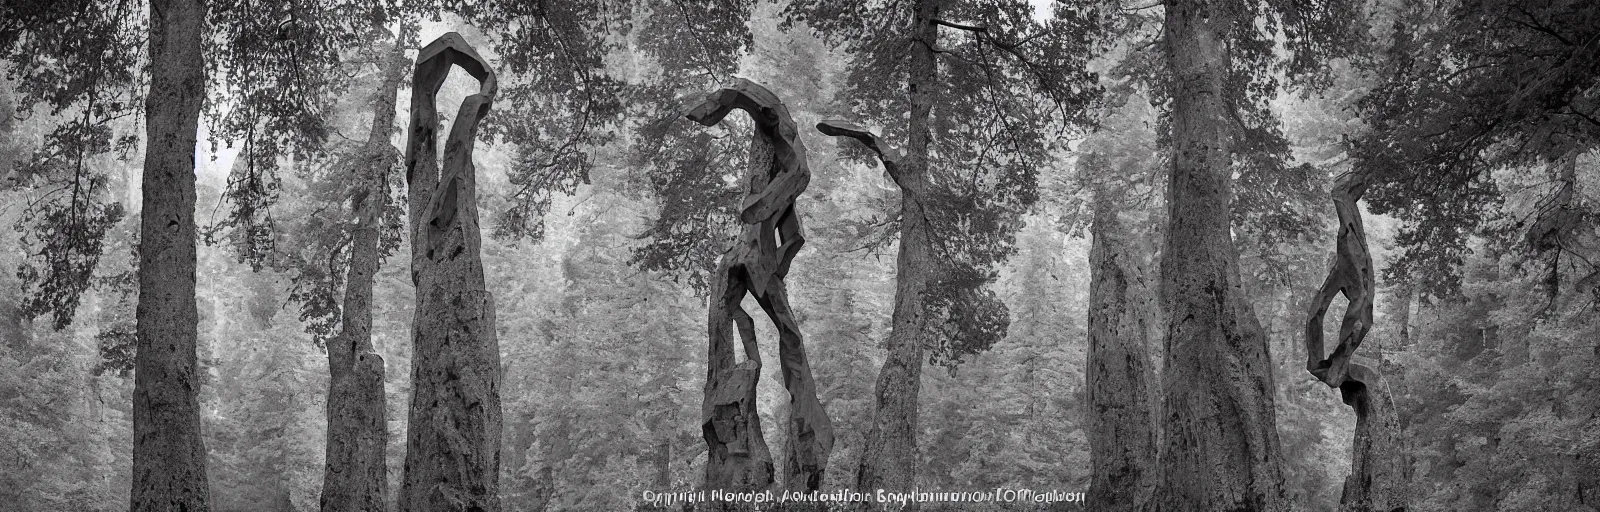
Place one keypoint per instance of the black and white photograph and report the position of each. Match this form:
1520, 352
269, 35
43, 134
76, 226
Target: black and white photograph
799, 255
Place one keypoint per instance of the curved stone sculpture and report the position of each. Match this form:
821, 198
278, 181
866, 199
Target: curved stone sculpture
453, 441
757, 263
1352, 276
1378, 462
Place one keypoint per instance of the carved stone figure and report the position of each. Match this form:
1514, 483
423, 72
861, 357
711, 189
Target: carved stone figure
453, 440
757, 263
1377, 481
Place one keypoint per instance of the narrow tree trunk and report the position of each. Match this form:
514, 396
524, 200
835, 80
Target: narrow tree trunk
1222, 450
355, 475
453, 442
1122, 436
889, 456
169, 456
1408, 297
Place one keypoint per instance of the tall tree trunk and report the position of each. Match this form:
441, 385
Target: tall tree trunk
1222, 450
1122, 436
453, 442
889, 456
1404, 296
169, 456
1378, 462
1408, 297
355, 475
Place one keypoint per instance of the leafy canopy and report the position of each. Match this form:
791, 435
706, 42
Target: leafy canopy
1008, 87
1473, 86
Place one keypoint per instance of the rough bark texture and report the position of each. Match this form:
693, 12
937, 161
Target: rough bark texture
1122, 435
1377, 478
889, 457
757, 263
1221, 440
354, 478
169, 457
1378, 463
888, 460
453, 444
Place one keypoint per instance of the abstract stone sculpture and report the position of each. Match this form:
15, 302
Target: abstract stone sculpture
453, 441
1377, 481
757, 263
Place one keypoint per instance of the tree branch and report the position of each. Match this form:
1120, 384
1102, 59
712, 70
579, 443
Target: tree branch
1539, 26
958, 26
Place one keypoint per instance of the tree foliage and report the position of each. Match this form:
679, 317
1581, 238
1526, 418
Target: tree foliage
75, 67
557, 100
1009, 85
691, 173
279, 66
1466, 88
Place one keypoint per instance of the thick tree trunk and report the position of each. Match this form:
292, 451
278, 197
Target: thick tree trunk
1222, 449
355, 475
453, 442
169, 457
738, 457
1378, 464
1122, 436
889, 457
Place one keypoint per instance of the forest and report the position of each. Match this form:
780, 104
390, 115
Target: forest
528, 255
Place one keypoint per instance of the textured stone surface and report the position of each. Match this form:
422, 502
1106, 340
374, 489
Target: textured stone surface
756, 263
453, 440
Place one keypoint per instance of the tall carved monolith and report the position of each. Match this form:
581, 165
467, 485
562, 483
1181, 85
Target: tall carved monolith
1377, 480
453, 439
756, 263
